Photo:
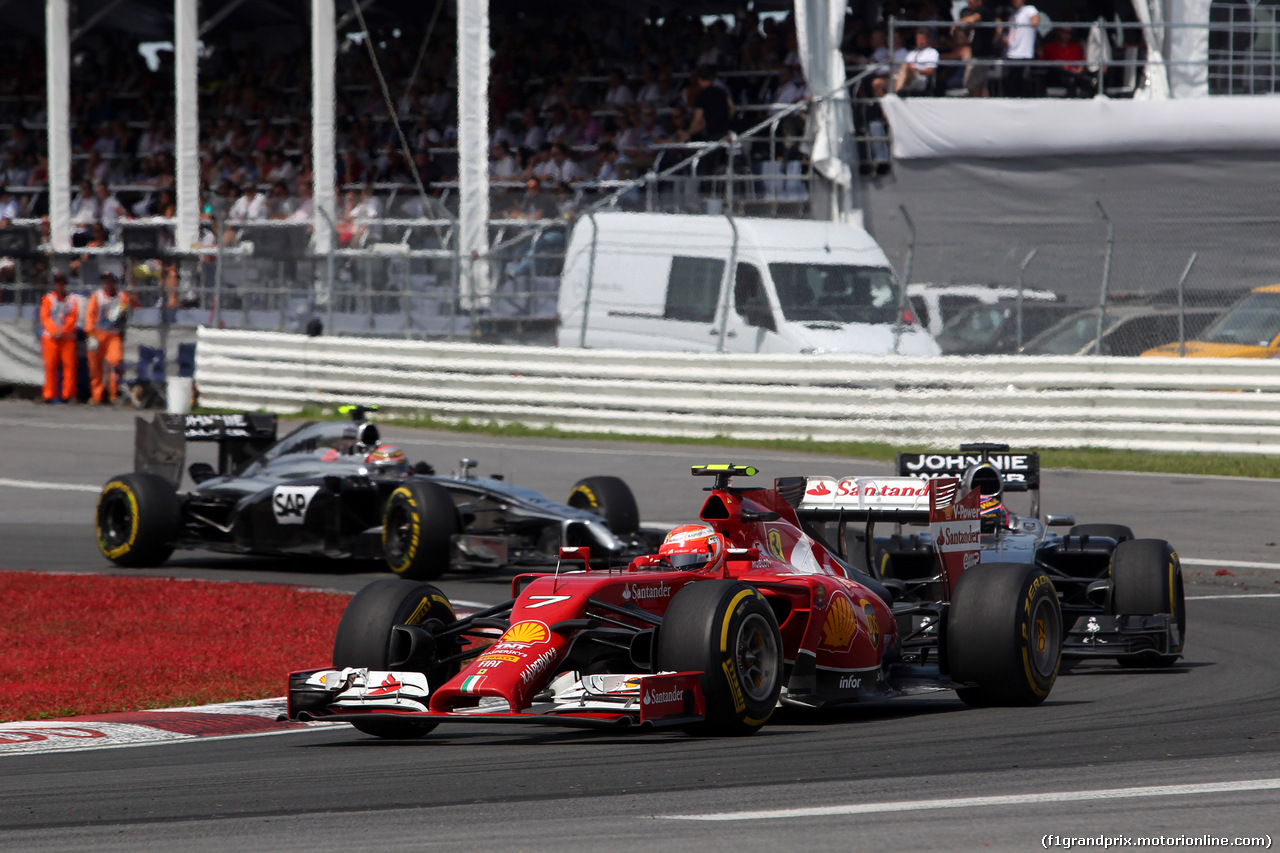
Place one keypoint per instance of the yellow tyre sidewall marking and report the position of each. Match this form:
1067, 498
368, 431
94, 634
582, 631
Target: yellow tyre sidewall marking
133, 513
730, 663
586, 493
412, 550
1026, 643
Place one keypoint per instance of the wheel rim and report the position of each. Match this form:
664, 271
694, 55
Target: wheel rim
757, 658
1046, 637
115, 520
399, 531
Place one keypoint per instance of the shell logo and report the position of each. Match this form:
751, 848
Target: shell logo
526, 632
841, 625
873, 624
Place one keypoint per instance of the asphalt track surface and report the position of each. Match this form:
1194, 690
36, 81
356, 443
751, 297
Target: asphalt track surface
1192, 751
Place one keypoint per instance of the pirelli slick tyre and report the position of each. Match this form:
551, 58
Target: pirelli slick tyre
418, 526
364, 639
611, 499
728, 632
1004, 635
1118, 532
138, 521
1146, 578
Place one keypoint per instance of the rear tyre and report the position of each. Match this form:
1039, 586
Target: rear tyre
611, 499
138, 521
1118, 532
1146, 578
727, 631
418, 526
364, 639
1004, 635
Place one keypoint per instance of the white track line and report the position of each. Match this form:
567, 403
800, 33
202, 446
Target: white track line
38, 484
989, 802
22, 422
1234, 595
1239, 564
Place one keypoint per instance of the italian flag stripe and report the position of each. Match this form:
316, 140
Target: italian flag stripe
471, 682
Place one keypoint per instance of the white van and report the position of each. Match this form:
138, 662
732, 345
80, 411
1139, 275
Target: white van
655, 281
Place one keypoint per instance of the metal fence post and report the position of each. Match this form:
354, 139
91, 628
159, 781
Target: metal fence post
591, 279
406, 288
1022, 268
728, 281
457, 283
906, 274
282, 288
1106, 277
1182, 307
728, 177
471, 292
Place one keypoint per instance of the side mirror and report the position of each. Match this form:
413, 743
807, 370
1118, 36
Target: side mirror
575, 554
1059, 520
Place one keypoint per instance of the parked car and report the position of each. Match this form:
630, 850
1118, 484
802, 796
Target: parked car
935, 304
1130, 330
1249, 329
663, 282
992, 329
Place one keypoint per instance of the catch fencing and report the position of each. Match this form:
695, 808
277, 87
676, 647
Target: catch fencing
1206, 405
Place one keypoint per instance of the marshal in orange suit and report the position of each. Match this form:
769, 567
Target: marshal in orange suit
104, 324
58, 314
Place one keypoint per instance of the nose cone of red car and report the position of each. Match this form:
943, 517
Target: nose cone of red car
513, 669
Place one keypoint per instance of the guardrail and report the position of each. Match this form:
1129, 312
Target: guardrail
1140, 404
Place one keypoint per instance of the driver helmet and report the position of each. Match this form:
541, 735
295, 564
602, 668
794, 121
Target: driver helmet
992, 512
986, 478
388, 460
693, 547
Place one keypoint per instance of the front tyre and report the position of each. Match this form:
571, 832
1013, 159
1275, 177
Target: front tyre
1146, 579
611, 499
364, 639
1004, 635
138, 520
727, 631
418, 526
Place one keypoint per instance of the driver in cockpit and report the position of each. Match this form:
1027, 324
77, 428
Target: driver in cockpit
986, 478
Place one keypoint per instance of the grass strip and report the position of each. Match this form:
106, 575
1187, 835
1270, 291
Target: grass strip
93, 644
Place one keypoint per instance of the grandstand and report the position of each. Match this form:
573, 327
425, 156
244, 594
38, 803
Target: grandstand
387, 167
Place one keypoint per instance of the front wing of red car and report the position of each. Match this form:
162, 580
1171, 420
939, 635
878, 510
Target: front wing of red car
586, 701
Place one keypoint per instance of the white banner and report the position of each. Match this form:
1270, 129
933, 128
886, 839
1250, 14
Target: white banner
1009, 127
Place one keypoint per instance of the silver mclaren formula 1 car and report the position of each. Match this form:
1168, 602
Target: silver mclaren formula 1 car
337, 490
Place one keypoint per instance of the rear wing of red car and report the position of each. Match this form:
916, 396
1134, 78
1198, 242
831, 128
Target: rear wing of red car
904, 500
159, 445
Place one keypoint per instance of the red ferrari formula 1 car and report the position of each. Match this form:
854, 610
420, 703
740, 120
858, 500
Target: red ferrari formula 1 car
744, 610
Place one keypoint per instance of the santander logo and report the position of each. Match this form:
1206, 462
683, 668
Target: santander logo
818, 490
661, 697
634, 592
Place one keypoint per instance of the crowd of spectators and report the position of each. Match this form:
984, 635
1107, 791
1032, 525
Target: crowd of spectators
578, 103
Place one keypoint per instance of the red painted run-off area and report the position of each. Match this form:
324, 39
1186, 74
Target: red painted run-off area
77, 645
